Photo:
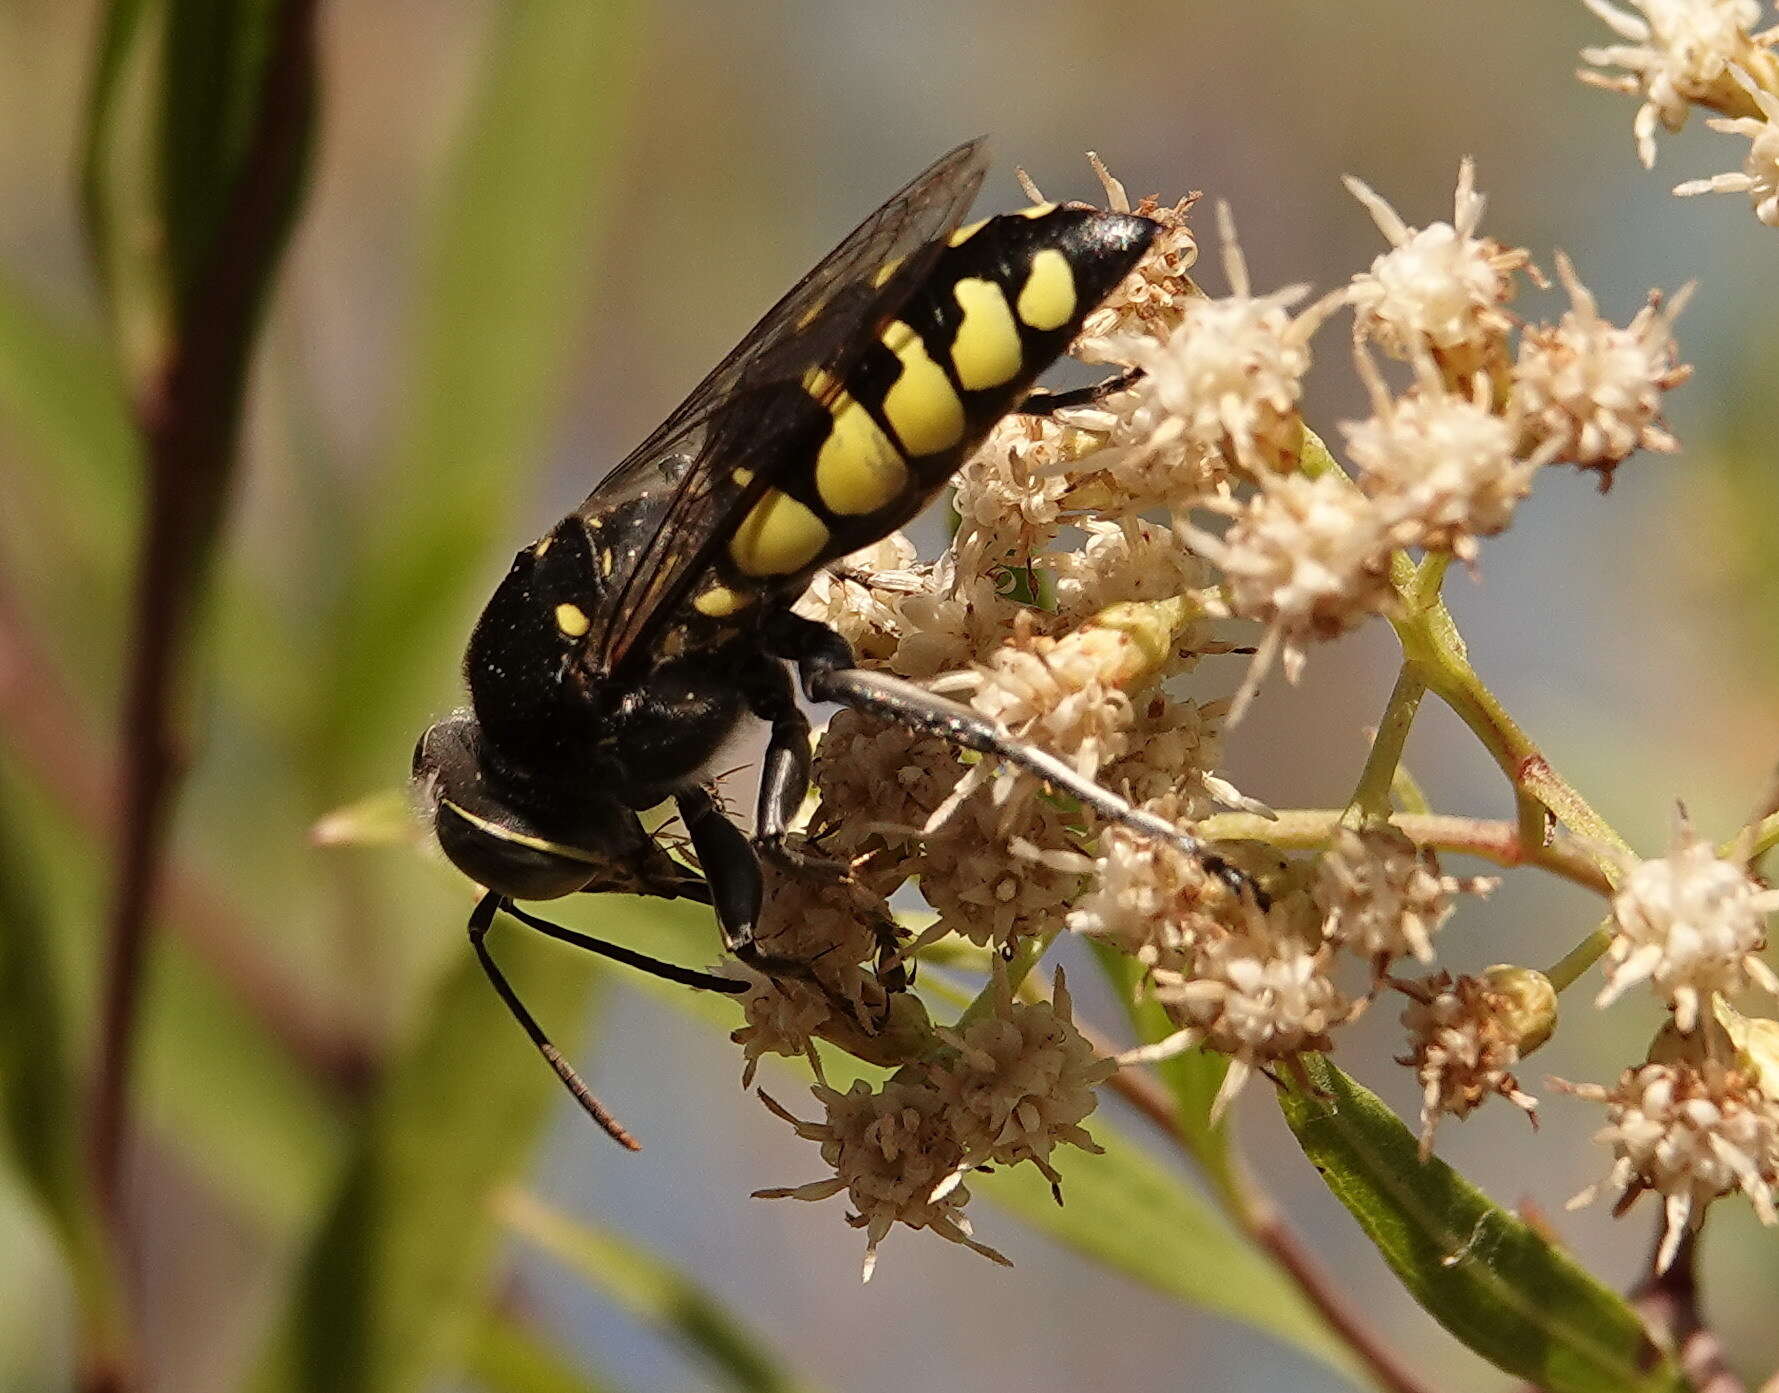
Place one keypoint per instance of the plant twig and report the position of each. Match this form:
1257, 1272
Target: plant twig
45, 733
189, 417
1494, 840
1669, 1304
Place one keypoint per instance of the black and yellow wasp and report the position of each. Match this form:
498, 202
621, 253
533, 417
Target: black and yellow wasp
624, 647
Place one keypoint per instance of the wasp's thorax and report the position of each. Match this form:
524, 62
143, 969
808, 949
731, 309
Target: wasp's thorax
533, 843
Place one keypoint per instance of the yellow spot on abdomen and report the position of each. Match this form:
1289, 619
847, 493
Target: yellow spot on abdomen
1048, 298
858, 469
719, 602
920, 405
572, 620
1037, 210
986, 352
742, 477
778, 537
543, 546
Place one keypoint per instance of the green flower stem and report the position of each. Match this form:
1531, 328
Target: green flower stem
1025, 957
1579, 958
1371, 798
1492, 839
1760, 839
1434, 653
1432, 644
1410, 796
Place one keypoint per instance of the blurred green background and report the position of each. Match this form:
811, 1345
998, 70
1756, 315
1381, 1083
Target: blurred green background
528, 229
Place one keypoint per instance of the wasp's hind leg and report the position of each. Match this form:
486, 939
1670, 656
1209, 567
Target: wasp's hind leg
785, 774
1045, 403
826, 664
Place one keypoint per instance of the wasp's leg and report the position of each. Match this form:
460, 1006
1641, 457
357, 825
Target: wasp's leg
730, 867
825, 661
673, 972
1045, 403
785, 776
480, 920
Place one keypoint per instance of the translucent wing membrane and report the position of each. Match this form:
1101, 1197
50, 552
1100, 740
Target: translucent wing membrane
742, 413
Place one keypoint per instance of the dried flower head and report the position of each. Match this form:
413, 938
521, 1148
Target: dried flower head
1759, 176
859, 597
879, 782
1149, 899
1011, 490
981, 891
1440, 289
828, 928
1382, 897
1123, 560
1690, 923
782, 1016
1174, 745
1150, 299
1465, 1035
1021, 1081
963, 612
1443, 468
1259, 995
1590, 392
1308, 558
1681, 53
1690, 1130
892, 1152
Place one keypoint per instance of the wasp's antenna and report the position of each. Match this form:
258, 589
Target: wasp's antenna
479, 922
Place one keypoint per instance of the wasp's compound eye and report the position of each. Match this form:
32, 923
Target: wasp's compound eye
484, 835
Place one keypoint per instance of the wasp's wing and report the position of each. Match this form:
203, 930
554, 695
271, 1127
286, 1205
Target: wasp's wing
740, 415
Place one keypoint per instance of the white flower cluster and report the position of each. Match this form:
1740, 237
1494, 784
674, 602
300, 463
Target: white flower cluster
1685, 53
1006, 1087
1692, 1125
1691, 923
1093, 552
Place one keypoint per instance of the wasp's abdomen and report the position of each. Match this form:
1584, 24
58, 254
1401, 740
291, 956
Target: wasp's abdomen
1002, 303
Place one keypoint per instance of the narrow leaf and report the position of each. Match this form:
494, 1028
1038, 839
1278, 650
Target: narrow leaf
1495, 1283
506, 1356
515, 251
1193, 1077
654, 1293
1126, 1212
39, 1094
391, 1288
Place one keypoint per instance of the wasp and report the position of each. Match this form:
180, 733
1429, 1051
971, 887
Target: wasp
626, 646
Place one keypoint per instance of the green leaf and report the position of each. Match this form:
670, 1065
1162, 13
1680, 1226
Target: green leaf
391, 1288
654, 1293
1193, 1077
508, 1357
205, 1054
515, 251
197, 146
1495, 1283
39, 1094
1127, 1212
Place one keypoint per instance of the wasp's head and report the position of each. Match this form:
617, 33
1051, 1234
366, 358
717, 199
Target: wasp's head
538, 847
